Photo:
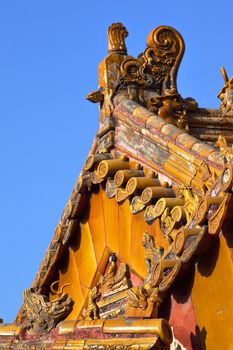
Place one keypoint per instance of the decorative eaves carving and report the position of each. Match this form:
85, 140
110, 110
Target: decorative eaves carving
177, 208
42, 315
91, 312
116, 278
114, 282
187, 214
96, 96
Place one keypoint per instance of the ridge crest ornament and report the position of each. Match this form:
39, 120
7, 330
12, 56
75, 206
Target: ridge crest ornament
157, 67
149, 79
117, 33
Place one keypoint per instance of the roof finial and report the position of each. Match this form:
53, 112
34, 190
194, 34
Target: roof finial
116, 38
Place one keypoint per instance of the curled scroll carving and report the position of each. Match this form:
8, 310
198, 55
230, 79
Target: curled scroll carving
149, 79
157, 67
167, 51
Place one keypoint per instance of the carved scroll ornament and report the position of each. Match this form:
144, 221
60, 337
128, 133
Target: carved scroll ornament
149, 79
157, 67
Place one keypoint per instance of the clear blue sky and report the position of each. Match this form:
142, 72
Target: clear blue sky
49, 52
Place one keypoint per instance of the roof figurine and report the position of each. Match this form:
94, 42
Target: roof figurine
143, 247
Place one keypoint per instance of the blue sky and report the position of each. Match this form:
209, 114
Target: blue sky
49, 52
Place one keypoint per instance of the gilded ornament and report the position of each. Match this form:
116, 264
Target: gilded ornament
204, 178
157, 67
154, 193
121, 195
173, 109
58, 292
110, 167
106, 143
215, 221
117, 33
152, 254
181, 236
137, 297
225, 151
160, 267
171, 219
142, 302
190, 202
139, 183
136, 205
155, 211
42, 314
94, 159
91, 312
227, 178
96, 96
110, 188
203, 207
116, 278
122, 176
